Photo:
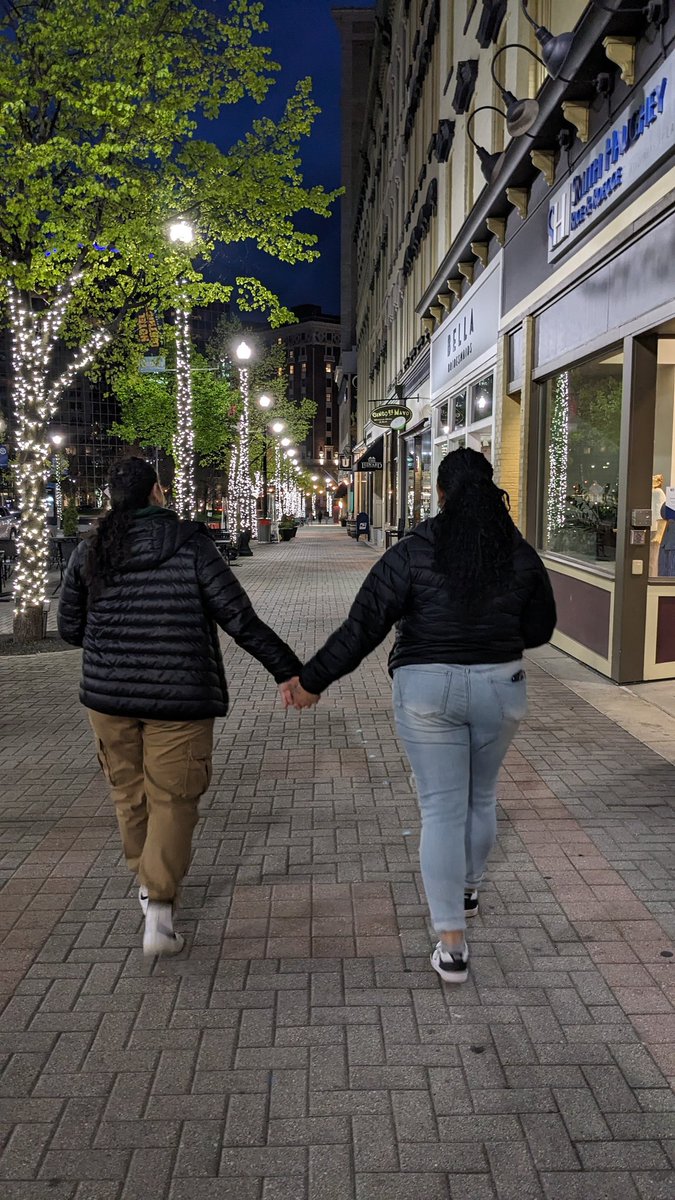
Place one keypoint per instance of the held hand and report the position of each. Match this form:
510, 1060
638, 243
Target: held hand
286, 691
303, 699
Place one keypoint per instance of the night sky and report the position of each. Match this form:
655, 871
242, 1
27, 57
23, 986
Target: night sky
304, 41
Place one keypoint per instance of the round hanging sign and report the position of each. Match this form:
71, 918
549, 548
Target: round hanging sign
395, 416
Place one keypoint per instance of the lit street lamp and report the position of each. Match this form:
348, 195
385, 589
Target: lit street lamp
277, 427
241, 502
182, 233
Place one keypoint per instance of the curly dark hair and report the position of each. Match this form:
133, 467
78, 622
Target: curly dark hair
130, 482
474, 532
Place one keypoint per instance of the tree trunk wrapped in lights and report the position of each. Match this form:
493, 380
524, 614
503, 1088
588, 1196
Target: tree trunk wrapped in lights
241, 499
36, 395
184, 439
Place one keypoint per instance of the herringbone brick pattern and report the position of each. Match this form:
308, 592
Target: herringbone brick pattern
302, 1049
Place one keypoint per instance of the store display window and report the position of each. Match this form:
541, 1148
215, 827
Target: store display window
582, 431
418, 477
662, 534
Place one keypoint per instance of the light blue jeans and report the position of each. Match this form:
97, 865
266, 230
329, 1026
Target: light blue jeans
456, 724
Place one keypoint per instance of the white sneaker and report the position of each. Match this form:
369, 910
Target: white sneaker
143, 899
452, 966
159, 936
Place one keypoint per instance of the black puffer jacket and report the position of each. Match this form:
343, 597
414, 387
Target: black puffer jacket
150, 640
404, 586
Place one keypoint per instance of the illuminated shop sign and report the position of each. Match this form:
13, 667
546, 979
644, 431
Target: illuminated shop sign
641, 136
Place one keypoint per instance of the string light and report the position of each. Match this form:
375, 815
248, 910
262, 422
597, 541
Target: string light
184, 439
242, 492
557, 456
35, 397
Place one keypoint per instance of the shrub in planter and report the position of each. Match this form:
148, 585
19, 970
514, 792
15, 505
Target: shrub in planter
70, 519
286, 529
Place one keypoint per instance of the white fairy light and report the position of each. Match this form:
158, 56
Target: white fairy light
184, 438
35, 398
558, 453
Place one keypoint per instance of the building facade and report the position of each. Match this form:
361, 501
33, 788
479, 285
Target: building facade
312, 348
514, 292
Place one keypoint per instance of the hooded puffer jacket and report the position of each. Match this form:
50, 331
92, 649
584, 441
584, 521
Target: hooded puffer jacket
151, 647
404, 586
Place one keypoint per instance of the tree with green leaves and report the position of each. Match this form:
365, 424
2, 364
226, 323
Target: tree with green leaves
147, 403
98, 107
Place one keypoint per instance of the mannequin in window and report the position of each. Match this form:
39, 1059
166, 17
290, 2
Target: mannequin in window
667, 547
658, 524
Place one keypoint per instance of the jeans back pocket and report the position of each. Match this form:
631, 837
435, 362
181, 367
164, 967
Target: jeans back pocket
422, 691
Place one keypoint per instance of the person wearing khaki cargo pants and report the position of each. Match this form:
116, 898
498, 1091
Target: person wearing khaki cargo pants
144, 597
157, 771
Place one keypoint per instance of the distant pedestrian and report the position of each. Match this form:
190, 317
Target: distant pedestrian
470, 595
143, 596
320, 515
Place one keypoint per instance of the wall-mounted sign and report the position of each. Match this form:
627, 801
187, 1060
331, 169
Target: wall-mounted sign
468, 333
634, 144
4, 457
392, 416
373, 458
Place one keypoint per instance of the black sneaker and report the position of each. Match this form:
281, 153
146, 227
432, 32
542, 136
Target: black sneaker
452, 966
470, 904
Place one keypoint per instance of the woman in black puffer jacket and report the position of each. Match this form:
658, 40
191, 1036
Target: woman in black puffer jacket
469, 595
144, 597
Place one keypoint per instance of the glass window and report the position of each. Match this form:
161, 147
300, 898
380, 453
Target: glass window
482, 399
582, 434
459, 410
418, 477
662, 535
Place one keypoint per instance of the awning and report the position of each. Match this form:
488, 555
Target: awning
373, 459
341, 491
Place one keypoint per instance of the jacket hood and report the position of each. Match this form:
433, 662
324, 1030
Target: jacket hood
156, 538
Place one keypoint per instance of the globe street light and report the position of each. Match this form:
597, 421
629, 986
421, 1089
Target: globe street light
240, 489
182, 233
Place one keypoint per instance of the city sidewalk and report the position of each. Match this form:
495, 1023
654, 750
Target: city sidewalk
302, 1048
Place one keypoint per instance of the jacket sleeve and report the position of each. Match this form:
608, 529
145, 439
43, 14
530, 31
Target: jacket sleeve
539, 615
379, 603
71, 618
226, 603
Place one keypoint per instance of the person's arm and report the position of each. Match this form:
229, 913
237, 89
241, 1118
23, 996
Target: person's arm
71, 618
226, 603
379, 603
539, 616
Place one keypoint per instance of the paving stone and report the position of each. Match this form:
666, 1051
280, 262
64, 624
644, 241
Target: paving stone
293, 1053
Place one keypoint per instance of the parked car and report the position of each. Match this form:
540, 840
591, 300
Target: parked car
9, 522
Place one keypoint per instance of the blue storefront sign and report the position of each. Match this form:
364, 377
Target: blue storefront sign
640, 137
4, 457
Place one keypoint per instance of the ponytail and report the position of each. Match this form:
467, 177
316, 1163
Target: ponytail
474, 533
130, 482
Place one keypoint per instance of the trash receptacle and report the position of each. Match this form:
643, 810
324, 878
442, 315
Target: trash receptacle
264, 529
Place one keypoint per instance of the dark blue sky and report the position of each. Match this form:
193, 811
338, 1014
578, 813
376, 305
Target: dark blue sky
304, 41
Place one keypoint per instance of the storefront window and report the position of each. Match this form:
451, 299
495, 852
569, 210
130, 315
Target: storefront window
583, 425
418, 477
459, 410
662, 535
482, 399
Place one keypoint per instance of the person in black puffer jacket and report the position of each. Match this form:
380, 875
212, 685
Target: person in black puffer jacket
144, 597
469, 595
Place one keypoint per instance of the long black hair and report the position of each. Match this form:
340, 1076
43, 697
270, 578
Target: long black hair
474, 533
130, 482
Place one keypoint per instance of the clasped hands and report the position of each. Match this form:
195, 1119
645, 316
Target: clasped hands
293, 694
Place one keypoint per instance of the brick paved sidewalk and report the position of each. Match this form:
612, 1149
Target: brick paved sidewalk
302, 1049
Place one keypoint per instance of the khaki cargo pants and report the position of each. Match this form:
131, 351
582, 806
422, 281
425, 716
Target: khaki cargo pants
157, 771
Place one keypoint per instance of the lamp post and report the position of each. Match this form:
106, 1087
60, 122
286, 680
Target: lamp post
240, 491
182, 233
